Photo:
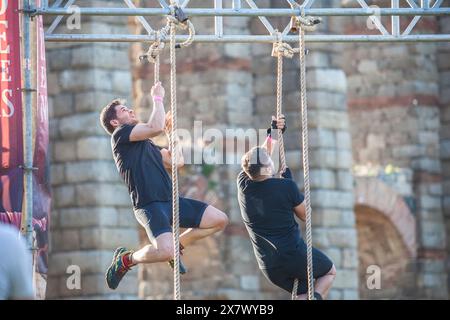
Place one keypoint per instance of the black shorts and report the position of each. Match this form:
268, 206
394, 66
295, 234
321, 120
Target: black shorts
295, 268
156, 217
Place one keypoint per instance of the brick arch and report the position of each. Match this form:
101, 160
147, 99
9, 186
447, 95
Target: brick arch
374, 193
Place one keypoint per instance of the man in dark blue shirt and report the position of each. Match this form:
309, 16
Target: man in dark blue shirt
142, 166
268, 205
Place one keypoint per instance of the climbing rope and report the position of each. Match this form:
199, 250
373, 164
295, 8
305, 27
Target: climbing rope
278, 52
301, 23
177, 19
174, 156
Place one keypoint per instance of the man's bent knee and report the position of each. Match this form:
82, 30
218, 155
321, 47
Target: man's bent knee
222, 221
332, 271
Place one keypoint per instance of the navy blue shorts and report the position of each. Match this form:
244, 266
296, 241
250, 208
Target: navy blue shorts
156, 217
295, 267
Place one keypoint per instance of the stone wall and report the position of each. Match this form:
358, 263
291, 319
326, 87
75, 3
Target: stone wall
395, 121
443, 61
381, 106
91, 212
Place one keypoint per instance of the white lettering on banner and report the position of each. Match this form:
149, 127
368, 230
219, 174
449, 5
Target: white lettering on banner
4, 6
3, 39
5, 70
8, 103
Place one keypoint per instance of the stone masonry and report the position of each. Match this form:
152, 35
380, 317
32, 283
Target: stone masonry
91, 213
394, 115
379, 134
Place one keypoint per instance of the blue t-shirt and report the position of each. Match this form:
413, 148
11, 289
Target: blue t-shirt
141, 167
267, 210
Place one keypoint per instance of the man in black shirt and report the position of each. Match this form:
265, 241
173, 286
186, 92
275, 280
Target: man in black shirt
143, 166
268, 205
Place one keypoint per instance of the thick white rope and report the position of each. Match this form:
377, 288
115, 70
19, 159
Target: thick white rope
174, 156
304, 120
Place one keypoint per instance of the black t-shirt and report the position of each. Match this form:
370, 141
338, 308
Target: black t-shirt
141, 167
267, 211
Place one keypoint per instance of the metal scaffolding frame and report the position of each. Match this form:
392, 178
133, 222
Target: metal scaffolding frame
60, 10
237, 9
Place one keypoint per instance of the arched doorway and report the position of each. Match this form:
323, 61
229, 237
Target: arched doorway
386, 240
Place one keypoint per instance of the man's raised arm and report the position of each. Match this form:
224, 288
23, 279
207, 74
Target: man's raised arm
155, 124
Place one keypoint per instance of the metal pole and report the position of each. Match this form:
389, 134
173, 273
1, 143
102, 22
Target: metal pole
218, 20
27, 211
236, 4
249, 38
250, 12
395, 20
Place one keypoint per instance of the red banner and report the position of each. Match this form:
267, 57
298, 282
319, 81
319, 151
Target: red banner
11, 133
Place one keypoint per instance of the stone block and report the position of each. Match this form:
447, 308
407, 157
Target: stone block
64, 196
94, 148
94, 194
335, 256
57, 174
81, 80
344, 159
322, 138
80, 125
429, 203
326, 217
432, 234
64, 151
322, 158
344, 180
330, 119
332, 199
376, 141
350, 294
429, 165
322, 178
92, 101
318, 99
332, 80
342, 237
88, 217
343, 140
126, 218
108, 238
346, 279
63, 104
90, 171
347, 218
368, 67
408, 151
249, 282
350, 258
445, 149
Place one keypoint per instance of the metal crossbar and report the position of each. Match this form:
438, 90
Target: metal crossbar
236, 9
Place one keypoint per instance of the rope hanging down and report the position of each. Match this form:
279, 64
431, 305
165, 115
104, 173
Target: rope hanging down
179, 20
301, 23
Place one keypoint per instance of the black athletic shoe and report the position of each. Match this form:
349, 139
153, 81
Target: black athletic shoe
183, 269
317, 296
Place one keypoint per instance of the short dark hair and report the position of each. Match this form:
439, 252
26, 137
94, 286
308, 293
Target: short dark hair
109, 113
254, 160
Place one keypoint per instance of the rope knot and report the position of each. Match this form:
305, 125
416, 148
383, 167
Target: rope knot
283, 49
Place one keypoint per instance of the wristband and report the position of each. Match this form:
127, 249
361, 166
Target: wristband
158, 98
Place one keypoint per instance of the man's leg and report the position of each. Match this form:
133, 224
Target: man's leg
213, 220
323, 284
161, 250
